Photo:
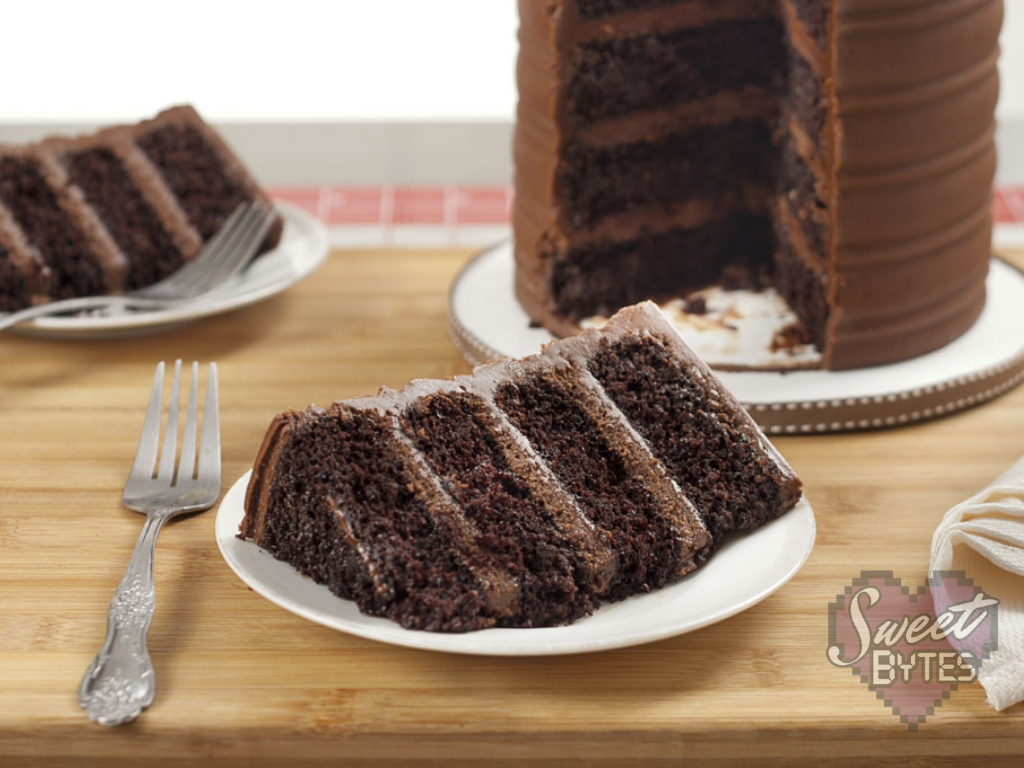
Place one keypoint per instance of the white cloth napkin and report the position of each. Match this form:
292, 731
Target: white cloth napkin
984, 536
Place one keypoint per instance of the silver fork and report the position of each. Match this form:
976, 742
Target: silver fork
225, 255
120, 683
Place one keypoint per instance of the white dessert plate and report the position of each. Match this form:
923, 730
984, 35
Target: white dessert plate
303, 248
487, 322
741, 574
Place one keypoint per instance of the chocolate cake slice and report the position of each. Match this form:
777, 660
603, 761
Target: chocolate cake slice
525, 494
114, 211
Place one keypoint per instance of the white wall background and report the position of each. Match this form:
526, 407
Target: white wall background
329, 60
325, 60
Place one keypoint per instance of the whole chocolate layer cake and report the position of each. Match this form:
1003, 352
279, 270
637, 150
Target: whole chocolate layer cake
840, 150
524, 495
115, 211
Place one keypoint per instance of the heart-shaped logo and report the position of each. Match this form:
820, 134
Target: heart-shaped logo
912, 647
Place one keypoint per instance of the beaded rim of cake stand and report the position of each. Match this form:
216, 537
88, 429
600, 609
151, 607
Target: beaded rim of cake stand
810, 417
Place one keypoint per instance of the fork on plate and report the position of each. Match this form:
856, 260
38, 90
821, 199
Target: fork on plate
225, 255
120, 682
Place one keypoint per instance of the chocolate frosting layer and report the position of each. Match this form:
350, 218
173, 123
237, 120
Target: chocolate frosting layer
905, 162
915, 87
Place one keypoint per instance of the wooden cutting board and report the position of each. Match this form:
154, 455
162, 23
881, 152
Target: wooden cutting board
242, 682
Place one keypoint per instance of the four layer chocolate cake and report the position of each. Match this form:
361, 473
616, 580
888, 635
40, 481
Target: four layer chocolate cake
839, 150
114, 211
524, 495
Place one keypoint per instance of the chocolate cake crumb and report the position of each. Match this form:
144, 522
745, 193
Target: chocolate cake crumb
695, 305
742, 277
790, 339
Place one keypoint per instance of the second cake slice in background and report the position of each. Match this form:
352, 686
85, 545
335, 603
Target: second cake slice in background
116, 210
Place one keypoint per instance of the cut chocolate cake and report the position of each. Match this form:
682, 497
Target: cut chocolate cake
115, 211
841, 151
524, 495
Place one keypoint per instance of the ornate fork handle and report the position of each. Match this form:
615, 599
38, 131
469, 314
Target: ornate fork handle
120, 682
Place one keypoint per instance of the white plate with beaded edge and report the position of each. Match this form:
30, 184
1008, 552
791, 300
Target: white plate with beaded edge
742, 573
487, 323
303, 248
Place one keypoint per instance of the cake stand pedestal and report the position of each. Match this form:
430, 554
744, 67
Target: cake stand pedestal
487, 323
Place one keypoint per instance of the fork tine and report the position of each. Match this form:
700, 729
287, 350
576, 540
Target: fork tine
215, 243
229, 225
168, 454
215, 250
187, 463
243, 250
209, 452
258, 233
149, 440
191, 278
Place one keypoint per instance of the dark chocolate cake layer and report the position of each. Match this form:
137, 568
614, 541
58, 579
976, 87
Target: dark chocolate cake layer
26, 277
593, 9
458, 437
598, 279
654, 71
97, 215
804, 288
523, 495
130, 219
49, 228
13, 285
547, 408
596, 182
195, 175
696, 436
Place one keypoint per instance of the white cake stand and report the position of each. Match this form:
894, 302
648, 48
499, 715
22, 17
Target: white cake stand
488, 323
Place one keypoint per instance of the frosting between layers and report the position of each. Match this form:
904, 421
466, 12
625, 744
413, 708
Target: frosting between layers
801, 40
749, 103
666, 19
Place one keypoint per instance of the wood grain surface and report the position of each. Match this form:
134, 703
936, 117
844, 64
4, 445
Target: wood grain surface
243, 682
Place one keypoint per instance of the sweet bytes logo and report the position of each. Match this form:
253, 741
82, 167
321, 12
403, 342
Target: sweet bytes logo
912, 647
